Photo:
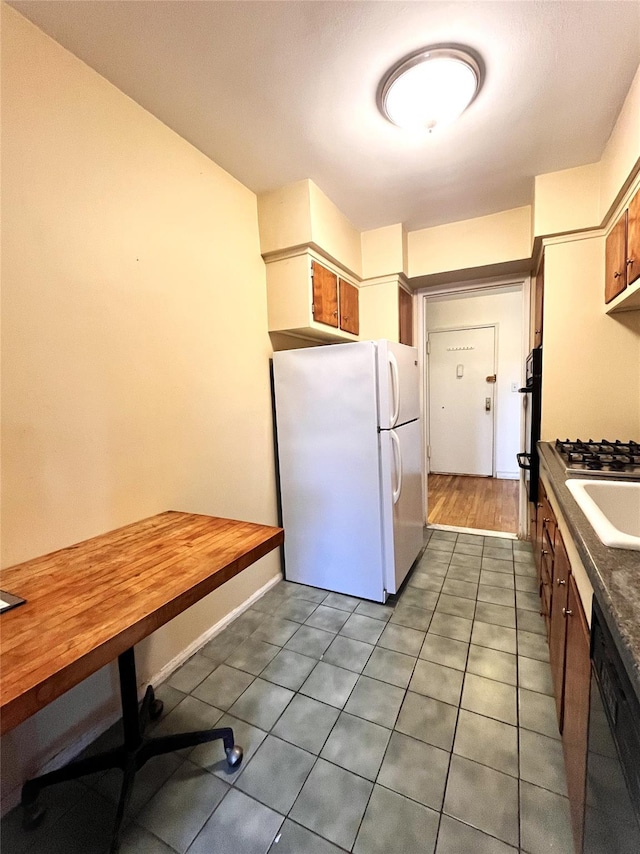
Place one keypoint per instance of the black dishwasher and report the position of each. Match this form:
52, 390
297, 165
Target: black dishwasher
612, 804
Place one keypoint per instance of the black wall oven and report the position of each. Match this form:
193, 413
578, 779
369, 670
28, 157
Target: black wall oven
532, 391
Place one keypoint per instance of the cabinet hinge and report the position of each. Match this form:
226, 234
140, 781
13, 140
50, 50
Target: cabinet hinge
313, 308
428, 347
428, 452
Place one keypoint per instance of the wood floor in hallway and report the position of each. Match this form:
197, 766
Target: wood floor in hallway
485, 503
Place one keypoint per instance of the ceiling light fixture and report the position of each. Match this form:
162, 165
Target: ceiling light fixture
430, 88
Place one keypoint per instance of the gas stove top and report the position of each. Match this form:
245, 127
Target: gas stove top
600, 459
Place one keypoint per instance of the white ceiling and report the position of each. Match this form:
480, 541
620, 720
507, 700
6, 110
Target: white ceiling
279, 91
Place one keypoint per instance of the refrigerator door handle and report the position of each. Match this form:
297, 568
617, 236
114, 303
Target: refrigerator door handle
395, 441
395, 389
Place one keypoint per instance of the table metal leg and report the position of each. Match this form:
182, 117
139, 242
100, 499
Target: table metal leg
131, 755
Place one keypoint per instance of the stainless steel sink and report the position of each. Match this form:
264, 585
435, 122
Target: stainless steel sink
612, 508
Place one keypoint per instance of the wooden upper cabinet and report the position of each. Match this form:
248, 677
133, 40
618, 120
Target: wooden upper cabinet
538, 307
633, 240
325, 295
349, 313
616, 260
405, 313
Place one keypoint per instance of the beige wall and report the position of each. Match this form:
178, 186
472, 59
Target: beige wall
591, 361
472, 243
332, 231
583, 197
301, 213
568, 200
383, 251
379, 310
622, 152
135, 348
284, 217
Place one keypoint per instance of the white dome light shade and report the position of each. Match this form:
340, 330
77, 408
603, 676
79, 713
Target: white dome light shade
430, 89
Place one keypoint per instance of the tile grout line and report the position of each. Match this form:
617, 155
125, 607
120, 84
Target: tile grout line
268, 615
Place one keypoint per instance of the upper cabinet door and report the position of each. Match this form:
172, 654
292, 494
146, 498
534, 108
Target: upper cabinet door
633, 240
616, 260
405, 312
325, 295
349, 315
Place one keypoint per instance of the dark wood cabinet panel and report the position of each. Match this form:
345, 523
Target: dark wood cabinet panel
537, 532
349, 314
558, 627
569, 653
576, 709
633, 240
549, 523
538, 305
546, 578
325, 295
405, 314
615, 260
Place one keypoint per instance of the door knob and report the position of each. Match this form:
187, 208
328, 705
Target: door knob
561, 582
567, 612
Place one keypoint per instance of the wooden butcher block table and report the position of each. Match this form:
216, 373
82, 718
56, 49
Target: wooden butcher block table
89, 604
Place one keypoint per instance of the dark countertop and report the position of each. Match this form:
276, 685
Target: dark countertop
614, 573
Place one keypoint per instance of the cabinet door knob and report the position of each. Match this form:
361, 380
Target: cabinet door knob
567, 612
545, 519
617, 275
544, 552
561, 582
630, 261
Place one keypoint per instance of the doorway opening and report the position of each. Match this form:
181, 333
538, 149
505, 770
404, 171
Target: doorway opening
477, 503
473, 349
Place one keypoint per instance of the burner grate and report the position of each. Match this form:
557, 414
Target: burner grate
604, 457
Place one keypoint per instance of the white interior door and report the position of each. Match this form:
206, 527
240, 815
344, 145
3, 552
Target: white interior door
461, 400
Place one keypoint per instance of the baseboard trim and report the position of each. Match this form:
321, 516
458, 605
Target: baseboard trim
508, 475
479, 531
205, 637
67, 754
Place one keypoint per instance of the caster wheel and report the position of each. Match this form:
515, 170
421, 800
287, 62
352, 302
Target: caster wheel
33, 816
234, 756
155, 709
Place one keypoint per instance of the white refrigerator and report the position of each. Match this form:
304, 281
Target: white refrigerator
349, 446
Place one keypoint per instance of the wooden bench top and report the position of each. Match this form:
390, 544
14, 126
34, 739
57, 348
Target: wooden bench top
88, 603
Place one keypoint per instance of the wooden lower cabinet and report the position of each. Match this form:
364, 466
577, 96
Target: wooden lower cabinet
569, 655
536, 534
577, 680
546, 581
558, 623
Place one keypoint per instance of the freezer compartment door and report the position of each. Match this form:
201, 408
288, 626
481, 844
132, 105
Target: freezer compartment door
402, 501
398, 384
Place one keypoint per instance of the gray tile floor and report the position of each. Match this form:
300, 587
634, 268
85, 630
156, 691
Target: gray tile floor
426, 725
